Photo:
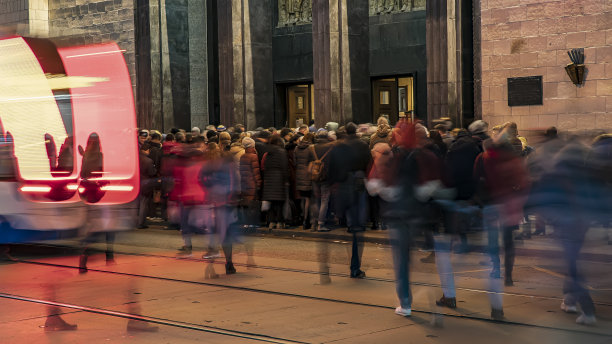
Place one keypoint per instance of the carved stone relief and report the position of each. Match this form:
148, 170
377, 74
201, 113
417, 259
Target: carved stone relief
294, 12
378, 7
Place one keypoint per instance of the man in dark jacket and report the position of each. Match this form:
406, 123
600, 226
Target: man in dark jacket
156, 155
147, 174
349, 161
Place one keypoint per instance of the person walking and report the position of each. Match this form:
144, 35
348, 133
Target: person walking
348, 163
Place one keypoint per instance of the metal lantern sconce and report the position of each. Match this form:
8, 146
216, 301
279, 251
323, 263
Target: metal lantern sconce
575, 70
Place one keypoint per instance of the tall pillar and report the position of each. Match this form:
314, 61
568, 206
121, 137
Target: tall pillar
341, 60
441, 46
198, 63
245, 62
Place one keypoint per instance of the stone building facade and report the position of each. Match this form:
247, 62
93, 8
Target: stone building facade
285, 62
531, 38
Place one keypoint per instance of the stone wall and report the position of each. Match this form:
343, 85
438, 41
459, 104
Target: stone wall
528, 38
95, 21
14, 12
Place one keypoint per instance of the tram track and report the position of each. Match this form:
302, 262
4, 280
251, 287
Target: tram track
331, 274
275, 293
155, 320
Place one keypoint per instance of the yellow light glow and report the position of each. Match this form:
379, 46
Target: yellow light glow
28, 109
35, 188
117, 188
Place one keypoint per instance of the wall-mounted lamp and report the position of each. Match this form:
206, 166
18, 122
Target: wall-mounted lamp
575, 70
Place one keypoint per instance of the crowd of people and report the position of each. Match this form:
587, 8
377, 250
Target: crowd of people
439, 182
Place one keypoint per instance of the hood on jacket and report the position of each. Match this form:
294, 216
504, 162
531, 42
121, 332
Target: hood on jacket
383, 130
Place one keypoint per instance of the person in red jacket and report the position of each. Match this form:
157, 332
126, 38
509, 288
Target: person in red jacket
506, 184
186, 192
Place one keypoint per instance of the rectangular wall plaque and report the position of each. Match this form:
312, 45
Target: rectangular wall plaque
525, 91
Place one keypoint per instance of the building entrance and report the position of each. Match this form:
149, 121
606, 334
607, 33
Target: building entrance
392, 96
299, 105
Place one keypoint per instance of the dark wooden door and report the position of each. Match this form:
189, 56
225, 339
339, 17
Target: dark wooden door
384, 94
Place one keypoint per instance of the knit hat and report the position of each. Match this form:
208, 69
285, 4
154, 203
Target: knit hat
331, 126
248, 142
478, 127
221, 128
264, 134
196, 130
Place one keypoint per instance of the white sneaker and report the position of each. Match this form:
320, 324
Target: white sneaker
403, 311
584, 319
568, 308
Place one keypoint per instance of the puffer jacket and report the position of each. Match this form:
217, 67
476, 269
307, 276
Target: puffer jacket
303, 156
250, 177
275, 174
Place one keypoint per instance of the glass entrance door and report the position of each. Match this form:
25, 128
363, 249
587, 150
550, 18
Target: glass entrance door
392, 96
299, 105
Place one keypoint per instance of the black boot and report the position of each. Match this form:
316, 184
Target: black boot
83, 263
229, 268
56, 323
140, 326
449, 302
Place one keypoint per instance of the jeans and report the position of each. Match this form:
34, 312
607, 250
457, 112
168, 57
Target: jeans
491, 224
400, 233
571, 234
143, 206
443, 244
322, 193
187, 229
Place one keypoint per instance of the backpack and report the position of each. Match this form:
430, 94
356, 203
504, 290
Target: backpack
316, 168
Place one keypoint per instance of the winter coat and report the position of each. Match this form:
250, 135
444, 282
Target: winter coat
380, 136
250, 177
303, 156
505, 180
460, 164
349, 155
186, 175
275, 167
216, 178
147, 175
261, 148
155, 154
321, 147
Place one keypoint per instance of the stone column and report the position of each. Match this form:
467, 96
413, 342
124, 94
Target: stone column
161, 110
245, 62
198, 63
341, 60
477, 19
443, 66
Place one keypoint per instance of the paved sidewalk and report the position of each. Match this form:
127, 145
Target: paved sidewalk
596, 247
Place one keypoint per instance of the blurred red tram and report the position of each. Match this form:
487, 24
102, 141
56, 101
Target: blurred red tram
57, 105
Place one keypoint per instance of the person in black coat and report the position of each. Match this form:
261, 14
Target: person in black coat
275, 167
304, 154
147, 180
349, 160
